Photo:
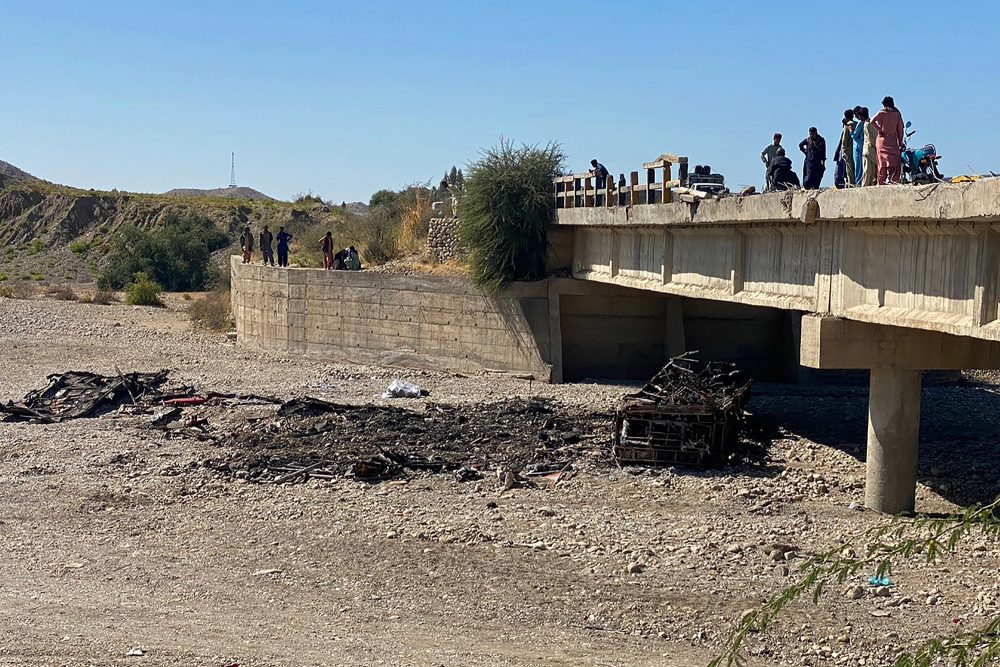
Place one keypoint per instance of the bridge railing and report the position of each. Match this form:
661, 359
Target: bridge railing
585, 190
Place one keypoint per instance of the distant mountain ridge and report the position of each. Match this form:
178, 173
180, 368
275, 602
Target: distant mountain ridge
357, 207
240, 192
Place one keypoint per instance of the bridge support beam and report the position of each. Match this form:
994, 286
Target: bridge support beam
896, 357
893, 426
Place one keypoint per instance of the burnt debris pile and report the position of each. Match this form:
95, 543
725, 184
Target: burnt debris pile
77, 394
690, 412
308, 437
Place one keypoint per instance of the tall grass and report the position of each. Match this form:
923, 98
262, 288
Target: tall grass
505, 211
415, 222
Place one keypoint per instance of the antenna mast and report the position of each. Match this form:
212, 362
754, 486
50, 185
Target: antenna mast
232, 173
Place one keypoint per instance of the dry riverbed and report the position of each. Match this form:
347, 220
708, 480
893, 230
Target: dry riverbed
124, 545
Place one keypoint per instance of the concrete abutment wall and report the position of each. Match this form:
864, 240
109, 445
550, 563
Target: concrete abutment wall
560, 329
351, 316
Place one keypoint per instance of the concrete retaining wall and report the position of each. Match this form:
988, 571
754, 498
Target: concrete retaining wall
557, 329
422, 322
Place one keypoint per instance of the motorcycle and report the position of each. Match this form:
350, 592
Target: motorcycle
920, 164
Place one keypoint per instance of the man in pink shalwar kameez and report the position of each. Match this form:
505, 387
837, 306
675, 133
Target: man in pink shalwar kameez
889, 123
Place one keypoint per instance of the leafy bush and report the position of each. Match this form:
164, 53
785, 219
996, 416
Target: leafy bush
79, 247
505, 212
176, 254
212, 312
36, 246
379, 234
143, 291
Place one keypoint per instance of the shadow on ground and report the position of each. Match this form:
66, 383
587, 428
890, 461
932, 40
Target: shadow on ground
959, 427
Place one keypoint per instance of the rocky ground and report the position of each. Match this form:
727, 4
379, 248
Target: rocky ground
126, 545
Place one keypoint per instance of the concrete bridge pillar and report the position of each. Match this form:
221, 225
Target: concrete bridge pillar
896, 357
893, 428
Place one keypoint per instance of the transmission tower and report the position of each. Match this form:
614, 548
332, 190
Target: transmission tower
232, 173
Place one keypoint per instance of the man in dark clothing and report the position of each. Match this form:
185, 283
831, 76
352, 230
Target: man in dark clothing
814, 148
601, 172
338, 261
780, 174
283, 238
769, 153
266, 239
246, 244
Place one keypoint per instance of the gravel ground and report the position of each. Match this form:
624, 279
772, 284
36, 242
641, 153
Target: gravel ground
118, 538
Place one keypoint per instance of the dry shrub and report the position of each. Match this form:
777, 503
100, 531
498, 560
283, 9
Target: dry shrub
62, 292
16, 290
212, 312
101, 297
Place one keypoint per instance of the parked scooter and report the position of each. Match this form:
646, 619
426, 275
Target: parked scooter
920, 164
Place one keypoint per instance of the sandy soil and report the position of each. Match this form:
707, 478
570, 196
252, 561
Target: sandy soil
117, 537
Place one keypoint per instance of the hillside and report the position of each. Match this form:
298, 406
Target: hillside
55, 233
11, 175
228, 193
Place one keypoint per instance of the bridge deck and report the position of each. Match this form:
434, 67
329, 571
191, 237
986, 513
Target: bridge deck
921, 257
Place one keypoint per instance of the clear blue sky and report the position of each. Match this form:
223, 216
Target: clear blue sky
347, 98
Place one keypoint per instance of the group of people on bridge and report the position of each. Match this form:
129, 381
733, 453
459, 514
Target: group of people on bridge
267, 240
346, 259
869, 151
343, 260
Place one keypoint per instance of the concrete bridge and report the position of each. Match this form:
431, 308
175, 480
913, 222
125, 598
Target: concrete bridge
896, 279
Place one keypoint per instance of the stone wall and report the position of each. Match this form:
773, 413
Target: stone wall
442, 239
414, 321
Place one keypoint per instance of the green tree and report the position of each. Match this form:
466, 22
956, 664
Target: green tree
505, 212
383, 198
453, 176
175, 255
